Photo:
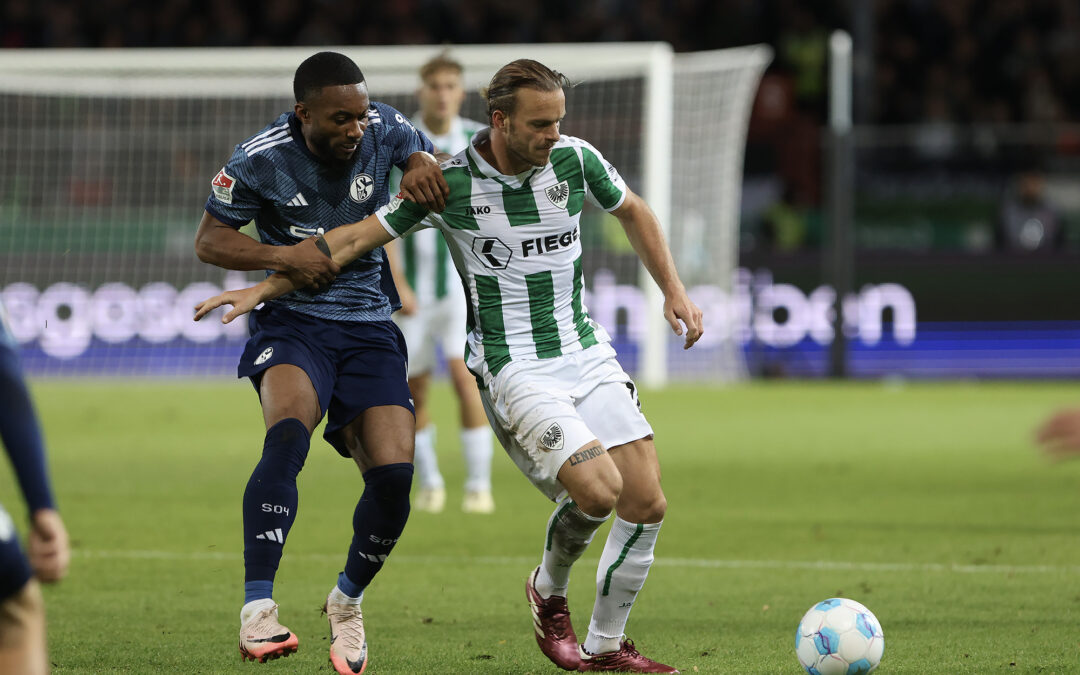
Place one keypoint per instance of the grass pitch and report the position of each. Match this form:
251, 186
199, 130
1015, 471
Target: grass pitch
926, 502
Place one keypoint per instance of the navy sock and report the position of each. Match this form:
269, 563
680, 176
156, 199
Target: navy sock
258, 590
378, 522
270, 502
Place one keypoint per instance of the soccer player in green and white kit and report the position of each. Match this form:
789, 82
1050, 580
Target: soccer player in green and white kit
433, 309
555, 395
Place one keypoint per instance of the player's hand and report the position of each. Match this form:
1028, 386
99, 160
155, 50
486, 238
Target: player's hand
308, 266
408, 300
1059, 435
423, 183
242, 301
48, 547
679, 307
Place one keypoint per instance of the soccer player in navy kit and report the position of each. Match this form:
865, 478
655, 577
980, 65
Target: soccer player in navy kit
22, 612
329, 348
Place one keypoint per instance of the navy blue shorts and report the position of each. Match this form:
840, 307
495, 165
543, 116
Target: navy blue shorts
353, 365
14, 567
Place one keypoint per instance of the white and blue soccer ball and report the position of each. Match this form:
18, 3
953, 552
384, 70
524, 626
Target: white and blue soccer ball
839, 636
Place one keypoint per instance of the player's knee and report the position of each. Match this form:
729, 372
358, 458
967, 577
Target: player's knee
389, 483
599, 496
655, 510
644, 508
285, 449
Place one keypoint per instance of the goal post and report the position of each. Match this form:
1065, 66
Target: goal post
106, 158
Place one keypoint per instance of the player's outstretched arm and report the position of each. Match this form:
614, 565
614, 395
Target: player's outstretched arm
342, 244
643, 230
21, 435
405, 291
219, 244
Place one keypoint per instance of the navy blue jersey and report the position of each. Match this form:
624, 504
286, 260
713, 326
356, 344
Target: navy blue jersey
275, 180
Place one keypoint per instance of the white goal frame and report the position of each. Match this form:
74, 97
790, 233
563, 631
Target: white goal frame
212, 72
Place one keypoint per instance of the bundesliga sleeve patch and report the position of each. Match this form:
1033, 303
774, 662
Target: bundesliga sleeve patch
223, 185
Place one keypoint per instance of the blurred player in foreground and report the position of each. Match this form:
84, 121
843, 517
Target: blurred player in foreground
433, 310
559, 402
22, 610
328, 348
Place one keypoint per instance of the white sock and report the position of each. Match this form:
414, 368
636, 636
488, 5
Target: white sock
476, 446
568, 534
425, 462
624, 564
254, 607
338, 597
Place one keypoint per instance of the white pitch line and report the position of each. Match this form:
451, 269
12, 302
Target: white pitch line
703, 563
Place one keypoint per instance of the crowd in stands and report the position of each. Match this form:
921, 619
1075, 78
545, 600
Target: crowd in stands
980, 61
927, 69
933, 60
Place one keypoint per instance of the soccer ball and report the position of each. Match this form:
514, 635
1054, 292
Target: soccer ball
839, 636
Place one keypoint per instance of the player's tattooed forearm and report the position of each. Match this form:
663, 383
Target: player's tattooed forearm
585, 454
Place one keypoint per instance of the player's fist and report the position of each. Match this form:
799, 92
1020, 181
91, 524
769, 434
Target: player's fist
308, 265
423, 182
678, 307
48, 547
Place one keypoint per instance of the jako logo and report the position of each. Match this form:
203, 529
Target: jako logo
479, 210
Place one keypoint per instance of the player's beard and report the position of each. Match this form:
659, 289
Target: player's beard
523, 152
325, 151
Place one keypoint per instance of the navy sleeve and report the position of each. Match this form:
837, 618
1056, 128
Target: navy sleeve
234, 193
21, 434
403, 138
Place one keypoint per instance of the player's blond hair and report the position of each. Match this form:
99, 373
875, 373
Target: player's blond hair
440, 63
501, 92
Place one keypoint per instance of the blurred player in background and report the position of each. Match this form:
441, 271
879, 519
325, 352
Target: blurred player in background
557, 398
22, 611
329, 348
1059, 435
433, 309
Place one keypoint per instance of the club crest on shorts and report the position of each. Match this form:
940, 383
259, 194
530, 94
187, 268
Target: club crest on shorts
361, 188
552, 438
265, 356
559, 194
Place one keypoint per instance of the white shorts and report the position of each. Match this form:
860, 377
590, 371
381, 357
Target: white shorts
543, 411
440, 323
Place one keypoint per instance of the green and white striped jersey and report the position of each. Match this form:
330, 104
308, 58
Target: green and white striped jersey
515, 241
425, 259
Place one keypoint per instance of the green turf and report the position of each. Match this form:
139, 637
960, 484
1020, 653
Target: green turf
928, 503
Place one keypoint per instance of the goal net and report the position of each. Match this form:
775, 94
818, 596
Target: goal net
106, 158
